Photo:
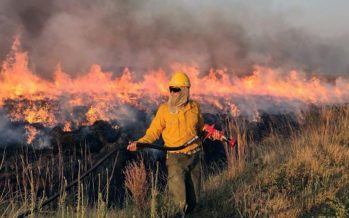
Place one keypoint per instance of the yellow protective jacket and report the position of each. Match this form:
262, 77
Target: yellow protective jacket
176, 128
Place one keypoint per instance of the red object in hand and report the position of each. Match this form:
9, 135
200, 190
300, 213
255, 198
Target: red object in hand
212, 132
217, 135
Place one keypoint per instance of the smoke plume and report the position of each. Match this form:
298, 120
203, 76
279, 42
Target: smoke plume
155, 34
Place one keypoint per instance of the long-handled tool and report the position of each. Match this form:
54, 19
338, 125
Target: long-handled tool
98, 163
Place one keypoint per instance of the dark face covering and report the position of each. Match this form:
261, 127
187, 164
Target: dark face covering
179, 99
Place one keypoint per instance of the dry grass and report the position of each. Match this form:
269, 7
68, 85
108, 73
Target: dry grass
303, 175
136, 182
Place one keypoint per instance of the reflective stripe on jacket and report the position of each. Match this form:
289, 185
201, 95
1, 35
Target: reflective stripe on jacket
176, 128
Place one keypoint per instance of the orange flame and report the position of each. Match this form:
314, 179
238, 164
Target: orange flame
67, 127
31, 133
101, 92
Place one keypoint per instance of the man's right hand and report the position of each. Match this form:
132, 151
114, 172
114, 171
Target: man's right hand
132, 146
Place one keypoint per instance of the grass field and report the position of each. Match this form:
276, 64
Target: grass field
305, 174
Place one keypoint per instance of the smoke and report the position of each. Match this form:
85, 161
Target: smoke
155, 34
10, 133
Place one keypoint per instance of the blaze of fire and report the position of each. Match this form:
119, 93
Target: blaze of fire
67, 126
100, 91
94, 114
31, 133
32, 113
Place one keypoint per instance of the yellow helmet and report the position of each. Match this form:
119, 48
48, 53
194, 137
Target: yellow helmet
180, 79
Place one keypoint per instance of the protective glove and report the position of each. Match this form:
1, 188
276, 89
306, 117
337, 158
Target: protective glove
132, 146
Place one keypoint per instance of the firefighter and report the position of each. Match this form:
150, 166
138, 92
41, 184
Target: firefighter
177, 121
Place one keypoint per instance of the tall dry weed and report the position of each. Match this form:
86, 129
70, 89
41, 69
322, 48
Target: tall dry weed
236, 155
136, 182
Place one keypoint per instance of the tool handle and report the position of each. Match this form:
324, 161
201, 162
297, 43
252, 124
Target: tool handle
166, 148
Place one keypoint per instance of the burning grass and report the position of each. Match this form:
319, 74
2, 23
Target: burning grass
97, 94
301, 175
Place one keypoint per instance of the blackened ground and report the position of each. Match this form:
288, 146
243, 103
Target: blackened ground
79, 149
